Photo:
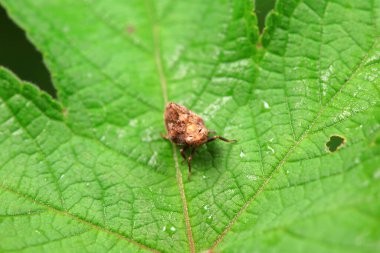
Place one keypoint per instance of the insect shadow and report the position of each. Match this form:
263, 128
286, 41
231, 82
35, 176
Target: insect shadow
187, 130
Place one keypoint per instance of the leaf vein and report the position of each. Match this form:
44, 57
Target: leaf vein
292, 148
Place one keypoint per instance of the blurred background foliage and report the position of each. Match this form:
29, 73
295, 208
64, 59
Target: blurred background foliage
20, 56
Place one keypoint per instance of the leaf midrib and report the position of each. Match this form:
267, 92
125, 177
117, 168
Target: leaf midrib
163, 83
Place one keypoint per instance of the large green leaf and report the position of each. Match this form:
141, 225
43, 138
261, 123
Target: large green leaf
90, 172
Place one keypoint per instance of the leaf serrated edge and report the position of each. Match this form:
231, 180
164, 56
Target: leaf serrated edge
20, 87
291, 149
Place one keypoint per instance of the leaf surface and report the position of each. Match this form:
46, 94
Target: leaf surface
91, 171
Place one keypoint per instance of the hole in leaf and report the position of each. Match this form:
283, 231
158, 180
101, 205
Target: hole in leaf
20, 56
335, 143
262, 8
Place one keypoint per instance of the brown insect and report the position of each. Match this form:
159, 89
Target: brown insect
187, 130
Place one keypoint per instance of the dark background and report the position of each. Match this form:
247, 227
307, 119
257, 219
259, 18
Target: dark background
21, 57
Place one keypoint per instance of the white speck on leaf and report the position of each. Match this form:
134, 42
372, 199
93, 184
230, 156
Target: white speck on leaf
153, 159
175, 55
133, 122
374, 57
343, 115
327, 73
213, 108
252, 177
17, 132
324, 89
209, 218
230, 191
232, 127
325, 78
147, 135
372, 76
120, 133
376, 175
181, 72
66, 29
299, 104
242, 154
9, 122
271, 149
266, 105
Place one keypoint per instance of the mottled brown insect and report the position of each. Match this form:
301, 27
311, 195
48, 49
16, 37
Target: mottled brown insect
187, 130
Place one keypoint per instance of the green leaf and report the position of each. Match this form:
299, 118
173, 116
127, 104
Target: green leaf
90, 172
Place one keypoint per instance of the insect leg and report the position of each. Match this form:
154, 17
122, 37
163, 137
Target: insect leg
190, 158
210, 139
183, 154
165, 136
